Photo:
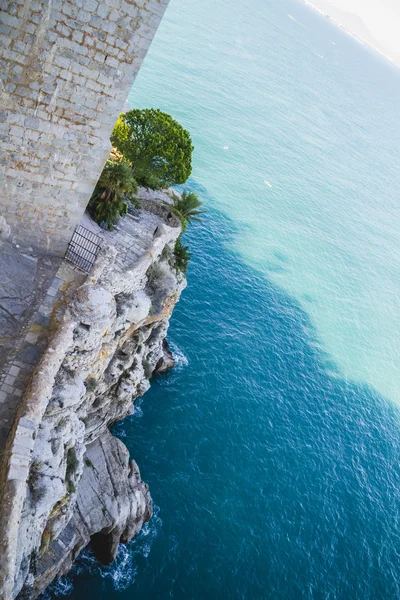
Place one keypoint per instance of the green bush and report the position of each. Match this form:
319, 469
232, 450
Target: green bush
158, 147
72, 463
115, 185
37, 489
182, 256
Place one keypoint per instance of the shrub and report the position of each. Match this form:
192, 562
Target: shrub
158, 147
72, 463
90, 384
115, 185
167, 254
182, 256
37, 489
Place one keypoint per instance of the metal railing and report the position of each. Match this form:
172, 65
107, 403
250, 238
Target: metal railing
83, 248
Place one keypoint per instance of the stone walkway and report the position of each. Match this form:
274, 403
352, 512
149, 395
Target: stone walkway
132, 238
31, 342
24, 279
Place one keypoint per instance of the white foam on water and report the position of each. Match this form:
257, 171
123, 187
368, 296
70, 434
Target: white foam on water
138, 412
295, 20
122, 573
124, 570
181, 359
63, 587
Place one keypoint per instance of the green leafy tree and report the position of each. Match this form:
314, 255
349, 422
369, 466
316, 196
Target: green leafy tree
115, 185
182, 256
188, 208
158, 147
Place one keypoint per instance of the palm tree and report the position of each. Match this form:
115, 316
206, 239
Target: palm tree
182, 256
115, 184
187, 208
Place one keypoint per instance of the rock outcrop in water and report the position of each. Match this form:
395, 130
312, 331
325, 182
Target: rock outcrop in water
69, 481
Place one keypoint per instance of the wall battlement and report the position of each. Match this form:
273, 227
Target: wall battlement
66, 69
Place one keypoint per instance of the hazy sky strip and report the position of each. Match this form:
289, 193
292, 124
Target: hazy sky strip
376, 21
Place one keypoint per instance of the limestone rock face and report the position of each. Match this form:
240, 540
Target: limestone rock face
82, 487
94, 305
5, 229
112, 503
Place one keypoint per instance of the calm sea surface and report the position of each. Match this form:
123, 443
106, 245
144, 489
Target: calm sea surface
273, 449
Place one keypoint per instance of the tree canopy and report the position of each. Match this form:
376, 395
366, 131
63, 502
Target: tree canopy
158, 147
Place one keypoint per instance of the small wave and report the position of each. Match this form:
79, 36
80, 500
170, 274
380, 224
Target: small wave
122, 434
123, 572
180, 359
62, 587
138, 411
296, 21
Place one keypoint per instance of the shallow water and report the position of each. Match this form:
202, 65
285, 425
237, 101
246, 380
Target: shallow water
320, 123
272, 450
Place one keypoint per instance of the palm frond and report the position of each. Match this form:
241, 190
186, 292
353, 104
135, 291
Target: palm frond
187, 208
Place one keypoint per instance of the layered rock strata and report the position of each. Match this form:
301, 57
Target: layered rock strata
67, 481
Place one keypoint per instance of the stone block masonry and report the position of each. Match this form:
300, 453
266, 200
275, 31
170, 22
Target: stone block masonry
66, 68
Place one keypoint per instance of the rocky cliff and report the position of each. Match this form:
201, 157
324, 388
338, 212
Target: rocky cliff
67, 480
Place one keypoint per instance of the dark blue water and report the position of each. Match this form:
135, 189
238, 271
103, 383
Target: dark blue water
270, 478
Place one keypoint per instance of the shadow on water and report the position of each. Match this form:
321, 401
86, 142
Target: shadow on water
272, 478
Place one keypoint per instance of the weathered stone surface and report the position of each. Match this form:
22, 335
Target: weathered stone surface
112, 503
67, 68
126, 505
24, 280
94, 305
40, 308
17, 287
167, 361
5, 229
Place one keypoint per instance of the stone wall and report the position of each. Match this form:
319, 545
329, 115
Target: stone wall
66, 69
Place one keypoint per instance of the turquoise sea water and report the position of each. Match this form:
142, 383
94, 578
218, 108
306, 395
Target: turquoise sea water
272, 450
